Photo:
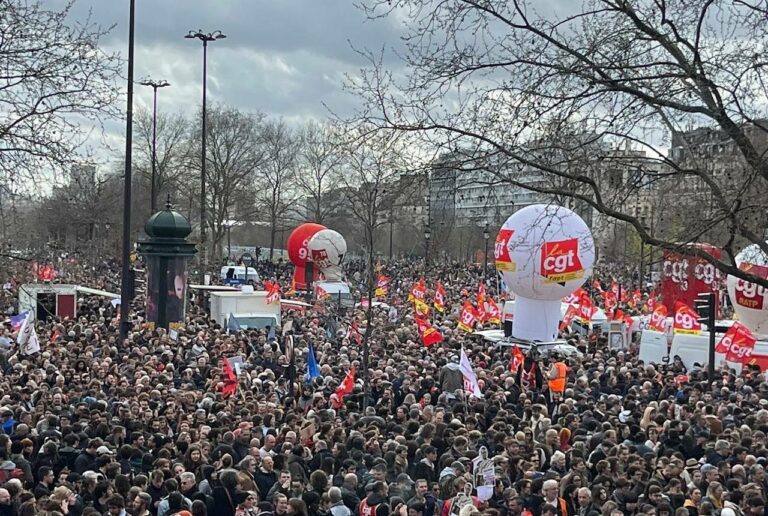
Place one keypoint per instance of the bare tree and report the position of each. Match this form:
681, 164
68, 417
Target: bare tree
275, 177
173, 150
234, 153
374, 164
318, 175
556, 92
54, 80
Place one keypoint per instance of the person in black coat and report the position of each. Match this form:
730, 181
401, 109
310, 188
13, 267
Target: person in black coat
225, 496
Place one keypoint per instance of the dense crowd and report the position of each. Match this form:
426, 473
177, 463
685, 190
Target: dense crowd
95, 425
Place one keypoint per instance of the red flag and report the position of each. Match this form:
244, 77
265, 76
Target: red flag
737, 344
570, 315
618, 315
347, 385
354, 333
650, 303
481, 314
382, 285
686, 320
609, 300
418, 291
492, 311
586, 309
439, 302
273, 293
230, 380
517, 359
637, 298
615, 288
429, 335
468, 318
55, 335
574, 298
659, 319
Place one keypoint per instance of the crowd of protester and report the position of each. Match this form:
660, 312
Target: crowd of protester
95, 425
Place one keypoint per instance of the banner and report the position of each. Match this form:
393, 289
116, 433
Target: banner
686, 320
737, 344
684, 278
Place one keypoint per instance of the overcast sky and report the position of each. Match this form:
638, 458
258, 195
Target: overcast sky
282, 57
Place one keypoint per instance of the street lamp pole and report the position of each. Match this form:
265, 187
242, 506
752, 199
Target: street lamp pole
486, 236
154, 85
125, 273
391, 225
427, 237
205, 38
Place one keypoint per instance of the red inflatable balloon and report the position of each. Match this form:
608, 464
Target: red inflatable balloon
298, 241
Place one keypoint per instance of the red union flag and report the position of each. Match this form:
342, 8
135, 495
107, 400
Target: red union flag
574, 298
686, 320
382, 285
501, 251
586, 309
429, 335
570, 315
492, 312
468, 317
659, 319
439, 301
751, 295
741, 345
560, 261
516, 360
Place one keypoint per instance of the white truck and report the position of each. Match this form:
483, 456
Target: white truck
250, 309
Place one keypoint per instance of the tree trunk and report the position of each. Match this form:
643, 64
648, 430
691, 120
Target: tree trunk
272, 233
369, 318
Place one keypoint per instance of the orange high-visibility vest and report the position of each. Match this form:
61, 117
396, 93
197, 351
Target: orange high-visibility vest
557, 384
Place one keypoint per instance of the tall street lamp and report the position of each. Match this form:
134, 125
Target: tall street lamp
125, 255
486, 236
154, 85
427, 237
205, 38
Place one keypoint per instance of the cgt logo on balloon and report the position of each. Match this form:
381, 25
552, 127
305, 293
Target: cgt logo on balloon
560, 261
748, 294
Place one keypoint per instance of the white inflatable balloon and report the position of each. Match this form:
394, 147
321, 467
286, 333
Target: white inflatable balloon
327, 249
750, 301
543, 253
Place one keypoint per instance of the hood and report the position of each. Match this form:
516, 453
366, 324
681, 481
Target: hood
452, 366
447, 471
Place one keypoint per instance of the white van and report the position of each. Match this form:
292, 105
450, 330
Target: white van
695, 349
238, 274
